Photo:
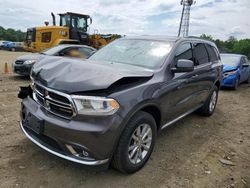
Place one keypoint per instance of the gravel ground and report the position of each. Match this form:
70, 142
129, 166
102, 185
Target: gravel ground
187, 154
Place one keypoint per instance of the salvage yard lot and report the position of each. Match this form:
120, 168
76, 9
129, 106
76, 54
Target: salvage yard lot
187, 154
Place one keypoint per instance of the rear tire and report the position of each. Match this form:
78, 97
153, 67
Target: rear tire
208, 108
13, 49
136, 143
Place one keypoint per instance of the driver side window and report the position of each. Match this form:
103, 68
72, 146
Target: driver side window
184, 51
243, 61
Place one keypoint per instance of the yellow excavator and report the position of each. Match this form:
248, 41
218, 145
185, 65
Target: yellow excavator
73, 29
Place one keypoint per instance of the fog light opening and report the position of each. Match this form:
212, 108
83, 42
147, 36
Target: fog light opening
77, 151
85, 153
71, 149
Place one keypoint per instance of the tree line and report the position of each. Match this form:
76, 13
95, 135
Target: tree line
12, 35
231, 45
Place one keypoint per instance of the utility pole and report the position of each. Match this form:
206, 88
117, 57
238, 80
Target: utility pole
185, 17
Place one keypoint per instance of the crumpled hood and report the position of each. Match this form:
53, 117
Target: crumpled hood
70, 75
229, 68
35, 56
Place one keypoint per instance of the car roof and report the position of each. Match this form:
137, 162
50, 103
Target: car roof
168, 38
153, 37
75, 45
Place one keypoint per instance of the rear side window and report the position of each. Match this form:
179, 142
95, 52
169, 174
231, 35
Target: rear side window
200, 54
243, 60
184, 51
213, 54
86, 51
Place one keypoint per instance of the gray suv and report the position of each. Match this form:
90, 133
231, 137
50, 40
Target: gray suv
109, 109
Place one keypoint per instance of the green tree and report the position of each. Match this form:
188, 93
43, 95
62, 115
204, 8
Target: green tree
231, 45
207, 37
11, 35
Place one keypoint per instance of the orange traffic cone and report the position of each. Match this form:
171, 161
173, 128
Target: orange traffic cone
6, 69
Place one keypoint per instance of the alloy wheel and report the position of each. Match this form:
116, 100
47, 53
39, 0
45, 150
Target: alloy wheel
213, 101
140, 143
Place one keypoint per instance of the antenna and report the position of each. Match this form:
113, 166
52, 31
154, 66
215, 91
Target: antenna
185, 17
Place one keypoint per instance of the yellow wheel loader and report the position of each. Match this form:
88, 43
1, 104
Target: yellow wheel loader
73, 29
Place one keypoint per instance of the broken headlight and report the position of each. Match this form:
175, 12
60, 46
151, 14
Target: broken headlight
230, 73
90, 105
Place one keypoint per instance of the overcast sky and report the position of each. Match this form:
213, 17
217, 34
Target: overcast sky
219, 18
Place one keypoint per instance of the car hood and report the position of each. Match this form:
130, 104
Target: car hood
35, 56
227, 68
70, 75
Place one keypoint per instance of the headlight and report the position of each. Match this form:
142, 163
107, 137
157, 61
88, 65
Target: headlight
89, 105
230, 73
28, 62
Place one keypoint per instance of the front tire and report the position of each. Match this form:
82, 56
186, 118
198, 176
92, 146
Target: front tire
136, 143
208, 108
237, 83
248, 80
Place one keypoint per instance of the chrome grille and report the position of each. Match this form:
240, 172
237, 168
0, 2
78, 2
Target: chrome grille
19, 62
55, 102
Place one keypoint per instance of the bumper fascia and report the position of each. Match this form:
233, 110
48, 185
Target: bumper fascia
95, 135
22, 69
58, 154
229, 81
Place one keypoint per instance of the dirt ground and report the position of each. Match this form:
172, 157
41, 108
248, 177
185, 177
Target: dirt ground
186, 155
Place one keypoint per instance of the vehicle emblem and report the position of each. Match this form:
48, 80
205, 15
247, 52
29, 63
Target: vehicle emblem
46, 93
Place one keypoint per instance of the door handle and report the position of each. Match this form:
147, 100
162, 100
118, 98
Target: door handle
182, 83
194, 76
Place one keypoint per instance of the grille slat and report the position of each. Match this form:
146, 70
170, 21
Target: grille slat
54, 102
19, 62
59, 102
66, 107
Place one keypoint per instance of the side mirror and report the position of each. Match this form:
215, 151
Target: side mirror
90, 21
183, 65
246, 65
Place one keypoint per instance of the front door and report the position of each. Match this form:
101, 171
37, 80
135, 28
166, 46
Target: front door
244, 70
179, 93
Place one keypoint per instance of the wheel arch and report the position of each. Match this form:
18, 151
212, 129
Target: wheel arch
150, 107
217, 84
155, 112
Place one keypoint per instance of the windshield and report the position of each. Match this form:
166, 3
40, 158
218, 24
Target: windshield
76, 22
52, 51
231, 60
145, 53
79, 23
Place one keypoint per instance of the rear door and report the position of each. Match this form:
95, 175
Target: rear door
204, 73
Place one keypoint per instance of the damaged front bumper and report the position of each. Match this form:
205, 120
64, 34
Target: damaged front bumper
84, 140
53, 151
229, 81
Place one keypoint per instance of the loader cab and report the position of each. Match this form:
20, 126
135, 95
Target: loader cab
78, 26
30, 36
